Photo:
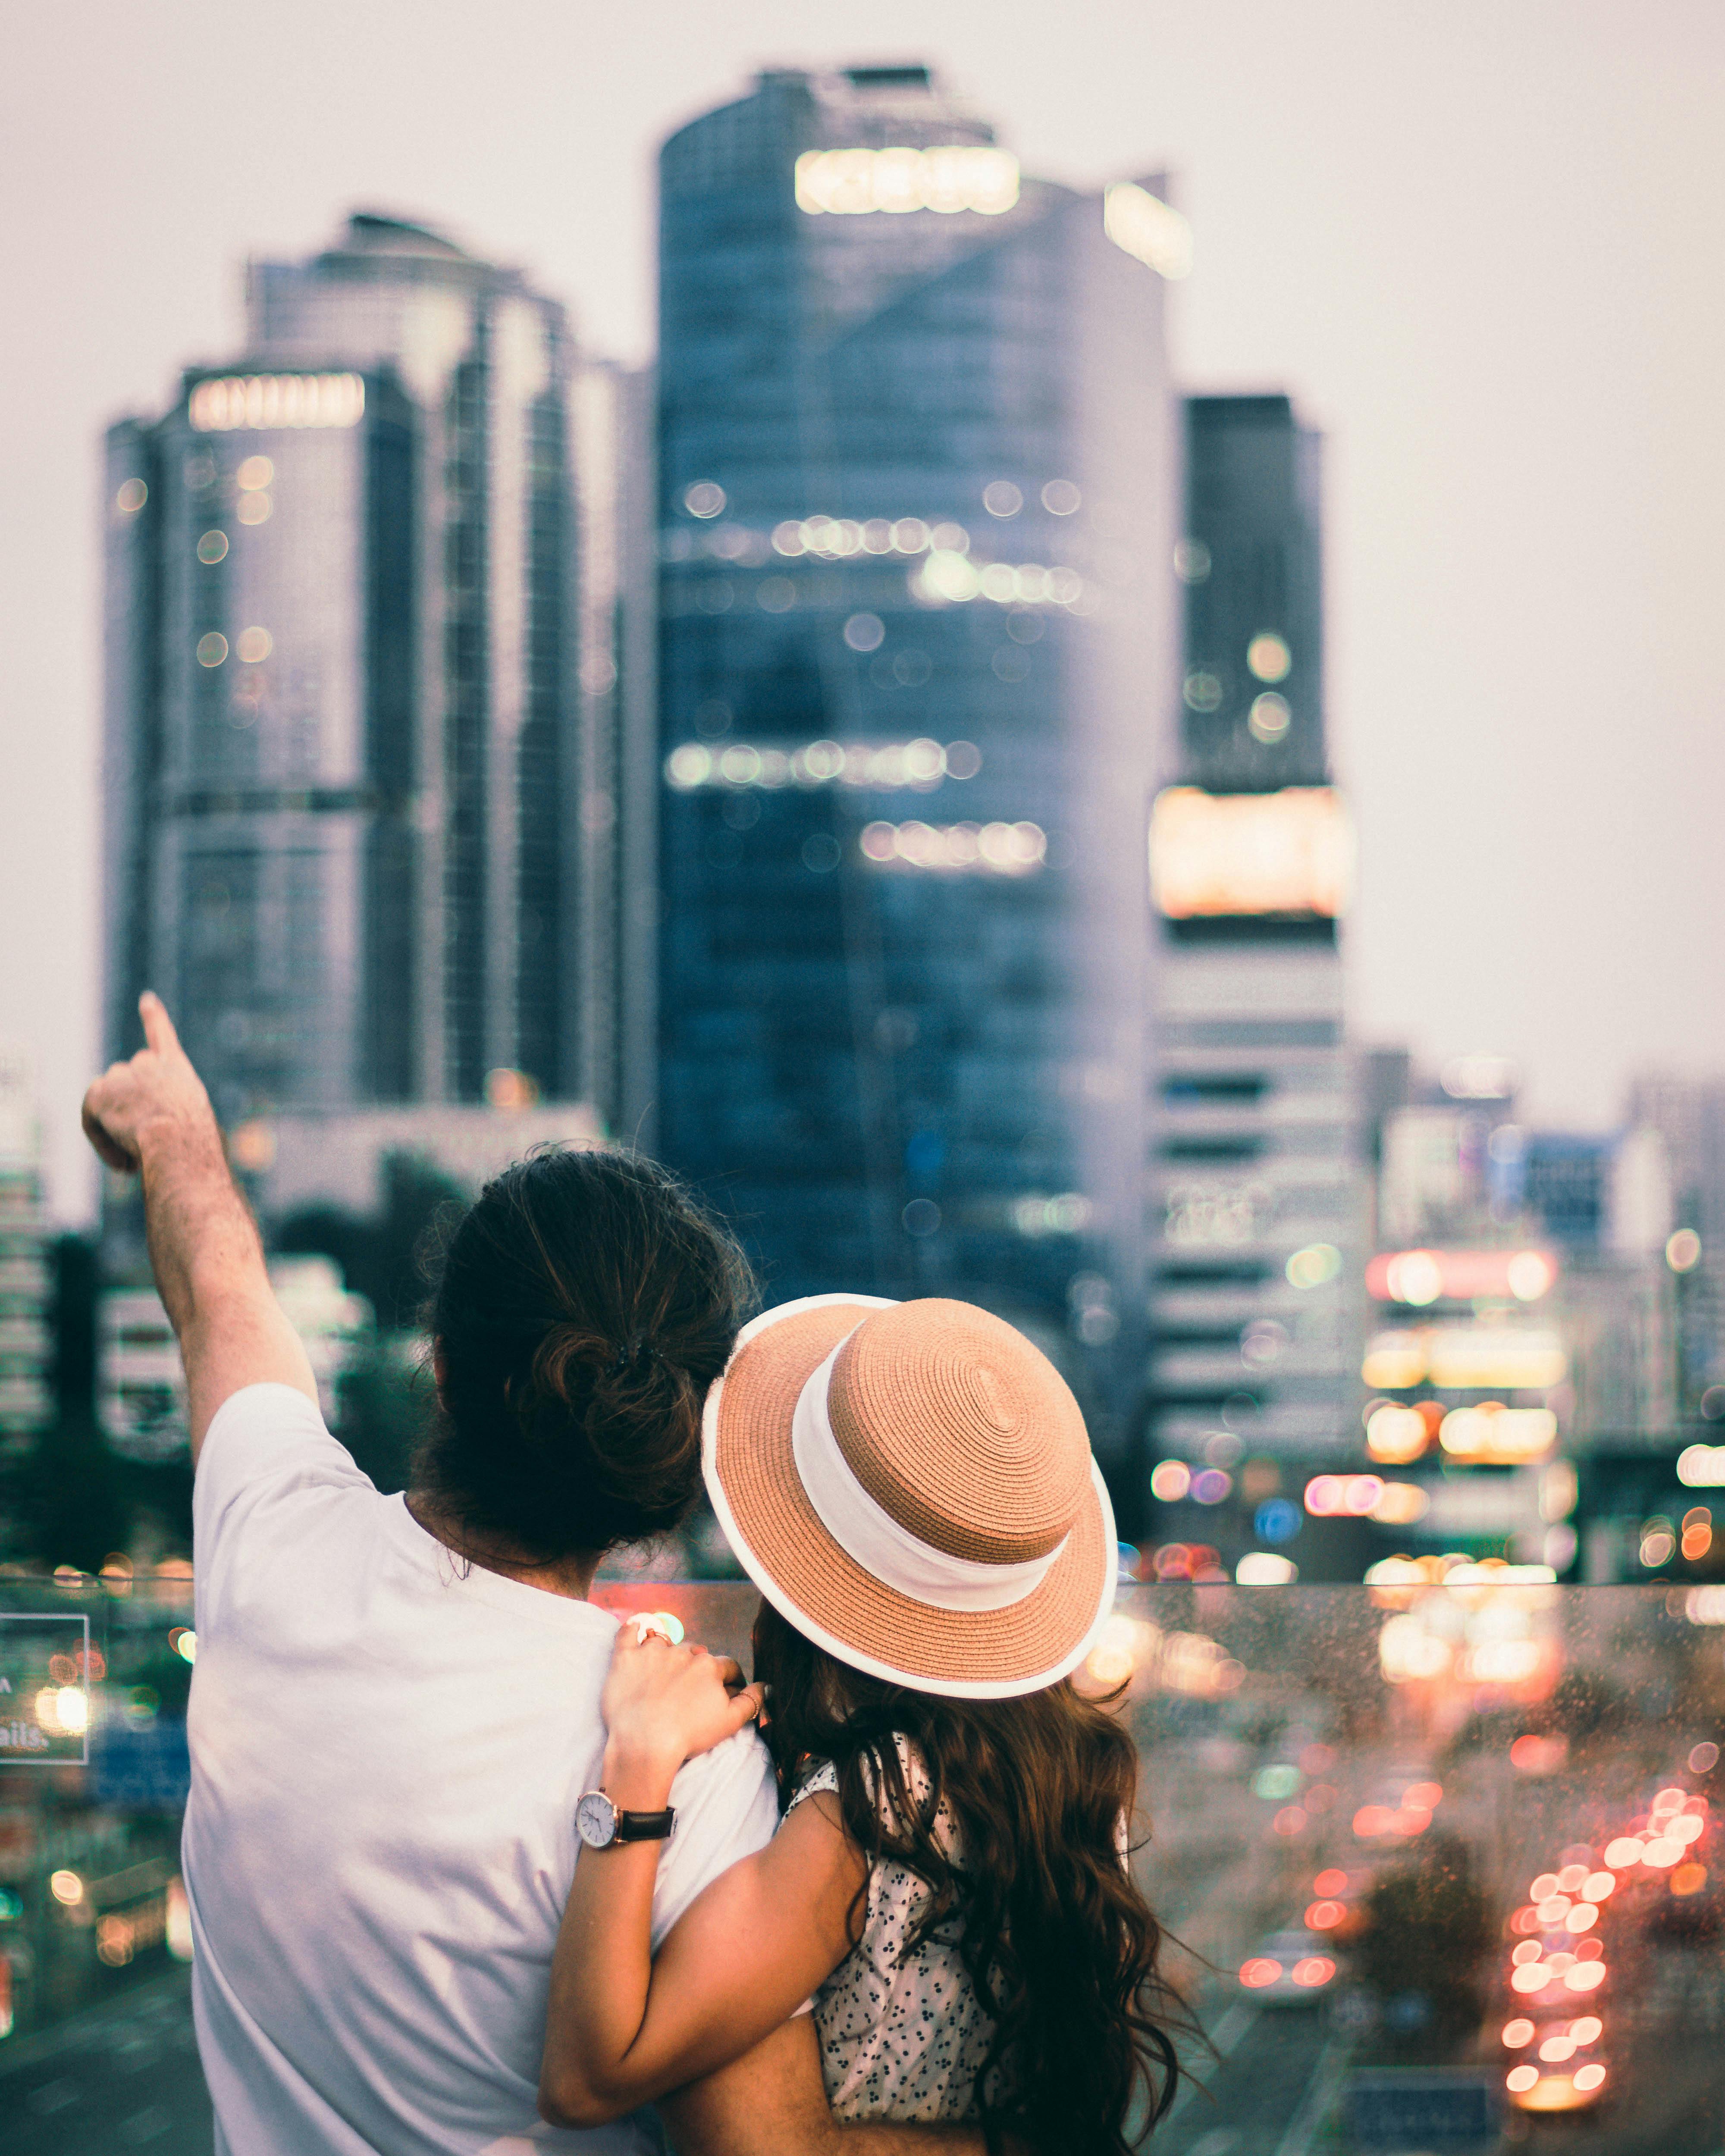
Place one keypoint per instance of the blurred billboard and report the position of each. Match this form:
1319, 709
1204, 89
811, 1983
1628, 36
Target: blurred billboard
1289, 853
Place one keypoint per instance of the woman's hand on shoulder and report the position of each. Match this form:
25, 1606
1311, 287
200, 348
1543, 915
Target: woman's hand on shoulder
662, 1704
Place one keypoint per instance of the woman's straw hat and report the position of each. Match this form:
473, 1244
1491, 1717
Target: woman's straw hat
910, 1485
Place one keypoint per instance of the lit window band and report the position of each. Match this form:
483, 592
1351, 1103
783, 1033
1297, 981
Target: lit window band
918, 763
262, 401
1143, 226
952, 580
947, 180
1014, 849
835, 537
1238, 854
945, 576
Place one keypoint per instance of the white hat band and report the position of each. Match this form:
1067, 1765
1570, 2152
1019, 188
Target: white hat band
865, 1531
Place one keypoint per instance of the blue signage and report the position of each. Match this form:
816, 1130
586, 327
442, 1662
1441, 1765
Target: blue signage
142, 1770
1446, 2113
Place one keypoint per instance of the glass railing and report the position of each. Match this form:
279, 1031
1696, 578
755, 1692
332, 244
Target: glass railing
1439, 1863
1442, 1860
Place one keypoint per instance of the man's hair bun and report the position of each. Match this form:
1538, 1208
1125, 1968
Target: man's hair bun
586, 1303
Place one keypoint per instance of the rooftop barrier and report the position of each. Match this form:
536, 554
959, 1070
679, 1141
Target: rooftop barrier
1440, 1858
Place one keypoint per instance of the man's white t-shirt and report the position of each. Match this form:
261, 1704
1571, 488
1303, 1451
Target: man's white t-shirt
386, 1750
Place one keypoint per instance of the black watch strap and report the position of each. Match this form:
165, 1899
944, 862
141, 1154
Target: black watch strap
646, 1827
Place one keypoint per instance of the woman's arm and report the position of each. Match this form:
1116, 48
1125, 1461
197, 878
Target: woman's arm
772, 2102
622, 2028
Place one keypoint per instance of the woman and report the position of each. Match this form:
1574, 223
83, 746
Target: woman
911, 1487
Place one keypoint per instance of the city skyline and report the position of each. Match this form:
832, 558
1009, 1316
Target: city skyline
1530, 599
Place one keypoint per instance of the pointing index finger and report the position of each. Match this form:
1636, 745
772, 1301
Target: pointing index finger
158, 1026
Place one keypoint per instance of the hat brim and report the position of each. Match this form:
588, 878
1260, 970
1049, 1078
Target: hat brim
814, 1583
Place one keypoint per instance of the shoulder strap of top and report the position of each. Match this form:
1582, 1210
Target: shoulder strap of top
821, 1776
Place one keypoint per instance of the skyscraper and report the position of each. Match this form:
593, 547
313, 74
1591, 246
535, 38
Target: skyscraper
27, 1352
918, 465
1689, 1114
351, 766
1252, 716
1258, 1188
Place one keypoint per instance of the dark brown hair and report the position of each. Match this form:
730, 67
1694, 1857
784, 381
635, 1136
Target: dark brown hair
1060, 1944
584, 1305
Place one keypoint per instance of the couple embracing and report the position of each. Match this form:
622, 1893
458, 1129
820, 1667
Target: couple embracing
474, 1871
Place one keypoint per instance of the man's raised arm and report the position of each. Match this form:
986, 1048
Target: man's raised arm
151, 1116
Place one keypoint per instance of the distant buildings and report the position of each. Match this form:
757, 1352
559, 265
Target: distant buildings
140, 1382
296, 1163
918, 470
1527, 1291
27, 1348
1517, 1247
362, 813
1257, 1186
1689, 1115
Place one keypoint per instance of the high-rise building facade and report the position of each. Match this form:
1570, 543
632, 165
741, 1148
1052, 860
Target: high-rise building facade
351, 767
26, 1346
918, 475
1258, 1190
1252, 713
1689, 1114
1533, 1314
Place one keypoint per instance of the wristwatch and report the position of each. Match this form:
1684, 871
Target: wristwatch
599, 1823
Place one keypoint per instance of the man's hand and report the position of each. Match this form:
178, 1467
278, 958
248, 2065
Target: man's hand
155, 1095
151, 1116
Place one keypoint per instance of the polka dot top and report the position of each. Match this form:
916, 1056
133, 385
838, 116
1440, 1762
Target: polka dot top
900, 2039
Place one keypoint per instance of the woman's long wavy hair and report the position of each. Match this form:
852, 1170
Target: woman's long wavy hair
1061, 1946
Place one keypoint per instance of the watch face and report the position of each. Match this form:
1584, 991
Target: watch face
596, 1819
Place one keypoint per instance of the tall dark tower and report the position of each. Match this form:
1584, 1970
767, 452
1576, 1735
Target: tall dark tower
918, 469
346, 788
1253, 715
1257, 1191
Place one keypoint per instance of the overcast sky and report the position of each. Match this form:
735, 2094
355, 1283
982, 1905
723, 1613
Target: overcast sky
1481, 243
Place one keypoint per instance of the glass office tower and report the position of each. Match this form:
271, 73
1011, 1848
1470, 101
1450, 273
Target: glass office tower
1258, 1190
918, 469
346, 790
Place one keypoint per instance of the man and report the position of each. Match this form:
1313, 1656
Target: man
391, 1725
